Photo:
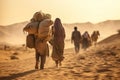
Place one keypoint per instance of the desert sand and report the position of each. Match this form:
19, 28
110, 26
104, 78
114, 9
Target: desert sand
97, 63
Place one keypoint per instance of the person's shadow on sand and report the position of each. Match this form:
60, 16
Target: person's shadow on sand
14, 76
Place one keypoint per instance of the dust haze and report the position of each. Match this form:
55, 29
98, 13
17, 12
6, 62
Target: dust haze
97, 63
14, 35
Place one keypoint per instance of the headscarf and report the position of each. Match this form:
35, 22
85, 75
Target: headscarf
59, 32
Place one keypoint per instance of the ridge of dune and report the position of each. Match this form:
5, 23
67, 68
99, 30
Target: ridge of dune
13, 33
113, 39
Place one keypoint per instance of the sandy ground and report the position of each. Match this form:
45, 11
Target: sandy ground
97, 63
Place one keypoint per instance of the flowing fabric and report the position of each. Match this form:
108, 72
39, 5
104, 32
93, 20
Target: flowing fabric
58, 40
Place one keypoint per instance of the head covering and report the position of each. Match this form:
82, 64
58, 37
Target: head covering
59, 32
58, 41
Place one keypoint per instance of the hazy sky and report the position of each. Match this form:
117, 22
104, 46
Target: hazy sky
70, 11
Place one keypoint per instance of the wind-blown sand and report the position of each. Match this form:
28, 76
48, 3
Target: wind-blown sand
97, 63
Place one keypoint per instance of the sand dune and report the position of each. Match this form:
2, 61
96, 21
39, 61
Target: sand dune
13, 34
97, 63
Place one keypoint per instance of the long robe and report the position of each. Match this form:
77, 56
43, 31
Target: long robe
58, 42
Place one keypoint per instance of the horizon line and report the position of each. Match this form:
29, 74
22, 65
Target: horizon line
67, 22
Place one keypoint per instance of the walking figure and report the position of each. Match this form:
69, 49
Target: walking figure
58, 42
95, 35
76, 39
86, 40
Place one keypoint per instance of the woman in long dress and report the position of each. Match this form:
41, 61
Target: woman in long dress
58, 42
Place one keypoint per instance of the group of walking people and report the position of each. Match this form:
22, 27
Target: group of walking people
38, 38
58, 44
57, 41
85, 40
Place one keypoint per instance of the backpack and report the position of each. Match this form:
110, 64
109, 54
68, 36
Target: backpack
30, 41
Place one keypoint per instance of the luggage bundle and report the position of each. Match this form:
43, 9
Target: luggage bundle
38, 28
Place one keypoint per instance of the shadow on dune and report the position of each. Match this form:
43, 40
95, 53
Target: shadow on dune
14, 76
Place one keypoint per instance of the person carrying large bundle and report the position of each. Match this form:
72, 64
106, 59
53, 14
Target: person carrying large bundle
38, 33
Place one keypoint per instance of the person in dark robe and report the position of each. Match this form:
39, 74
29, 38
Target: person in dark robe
86, 40
76, 39
58, 42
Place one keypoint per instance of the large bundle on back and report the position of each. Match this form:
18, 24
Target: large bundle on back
38, 26
32, 27
44, 28
47, 16
38, 16
30, 41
